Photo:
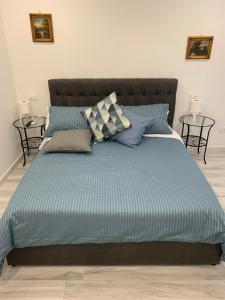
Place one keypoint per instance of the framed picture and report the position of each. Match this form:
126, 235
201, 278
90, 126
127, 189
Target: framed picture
41, 27
199, 47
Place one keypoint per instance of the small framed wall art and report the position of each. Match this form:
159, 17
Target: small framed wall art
199, 47
41, 27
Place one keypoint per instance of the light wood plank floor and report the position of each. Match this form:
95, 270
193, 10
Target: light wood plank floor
140, 283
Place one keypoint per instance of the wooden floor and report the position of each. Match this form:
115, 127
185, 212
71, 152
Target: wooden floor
136, 283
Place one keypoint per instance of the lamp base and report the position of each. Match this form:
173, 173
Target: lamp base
194, 117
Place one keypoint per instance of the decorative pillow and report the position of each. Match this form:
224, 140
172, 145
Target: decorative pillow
64, 118
157, 111
133, 135
75, 140
106, 118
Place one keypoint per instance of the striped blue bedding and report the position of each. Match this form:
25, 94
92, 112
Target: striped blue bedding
154, 192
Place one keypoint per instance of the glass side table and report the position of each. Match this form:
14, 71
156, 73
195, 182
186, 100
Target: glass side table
204, 124
32, 142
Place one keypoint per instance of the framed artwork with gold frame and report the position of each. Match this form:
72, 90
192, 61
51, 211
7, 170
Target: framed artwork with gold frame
199, 47
41, 27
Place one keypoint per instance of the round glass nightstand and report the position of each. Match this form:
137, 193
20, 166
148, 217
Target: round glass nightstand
204, 124
32, 142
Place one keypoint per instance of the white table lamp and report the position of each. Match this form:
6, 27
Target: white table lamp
25, 109
195, 107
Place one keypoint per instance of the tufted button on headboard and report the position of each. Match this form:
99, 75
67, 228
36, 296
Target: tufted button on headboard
130, 91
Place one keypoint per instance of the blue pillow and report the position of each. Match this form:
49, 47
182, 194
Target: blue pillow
64, 118
132, 136
157, 111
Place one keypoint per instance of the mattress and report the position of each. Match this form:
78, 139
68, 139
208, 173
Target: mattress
154, 192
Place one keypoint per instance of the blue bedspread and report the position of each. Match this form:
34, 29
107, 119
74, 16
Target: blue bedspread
154, 192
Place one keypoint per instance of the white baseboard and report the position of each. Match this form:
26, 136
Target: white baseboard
11, 168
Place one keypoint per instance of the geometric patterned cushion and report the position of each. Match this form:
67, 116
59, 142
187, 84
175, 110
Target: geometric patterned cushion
106, 118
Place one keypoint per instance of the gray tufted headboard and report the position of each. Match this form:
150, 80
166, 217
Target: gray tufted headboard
129, 91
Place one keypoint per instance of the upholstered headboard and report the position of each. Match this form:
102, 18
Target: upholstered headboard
129, 91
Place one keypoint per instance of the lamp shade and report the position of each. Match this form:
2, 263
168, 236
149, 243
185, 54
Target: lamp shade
195, 106
24, 107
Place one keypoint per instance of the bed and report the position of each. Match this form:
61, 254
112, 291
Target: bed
149, 205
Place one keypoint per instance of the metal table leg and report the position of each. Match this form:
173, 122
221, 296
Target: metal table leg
187, 135
28, 149
42, 131
21, 141
182, 132
207, 143
199, 142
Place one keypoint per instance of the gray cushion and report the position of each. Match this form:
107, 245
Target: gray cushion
76, 140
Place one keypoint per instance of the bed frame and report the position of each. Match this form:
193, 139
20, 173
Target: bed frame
132, 91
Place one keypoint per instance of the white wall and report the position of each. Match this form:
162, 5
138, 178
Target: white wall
121, 38
9, 148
